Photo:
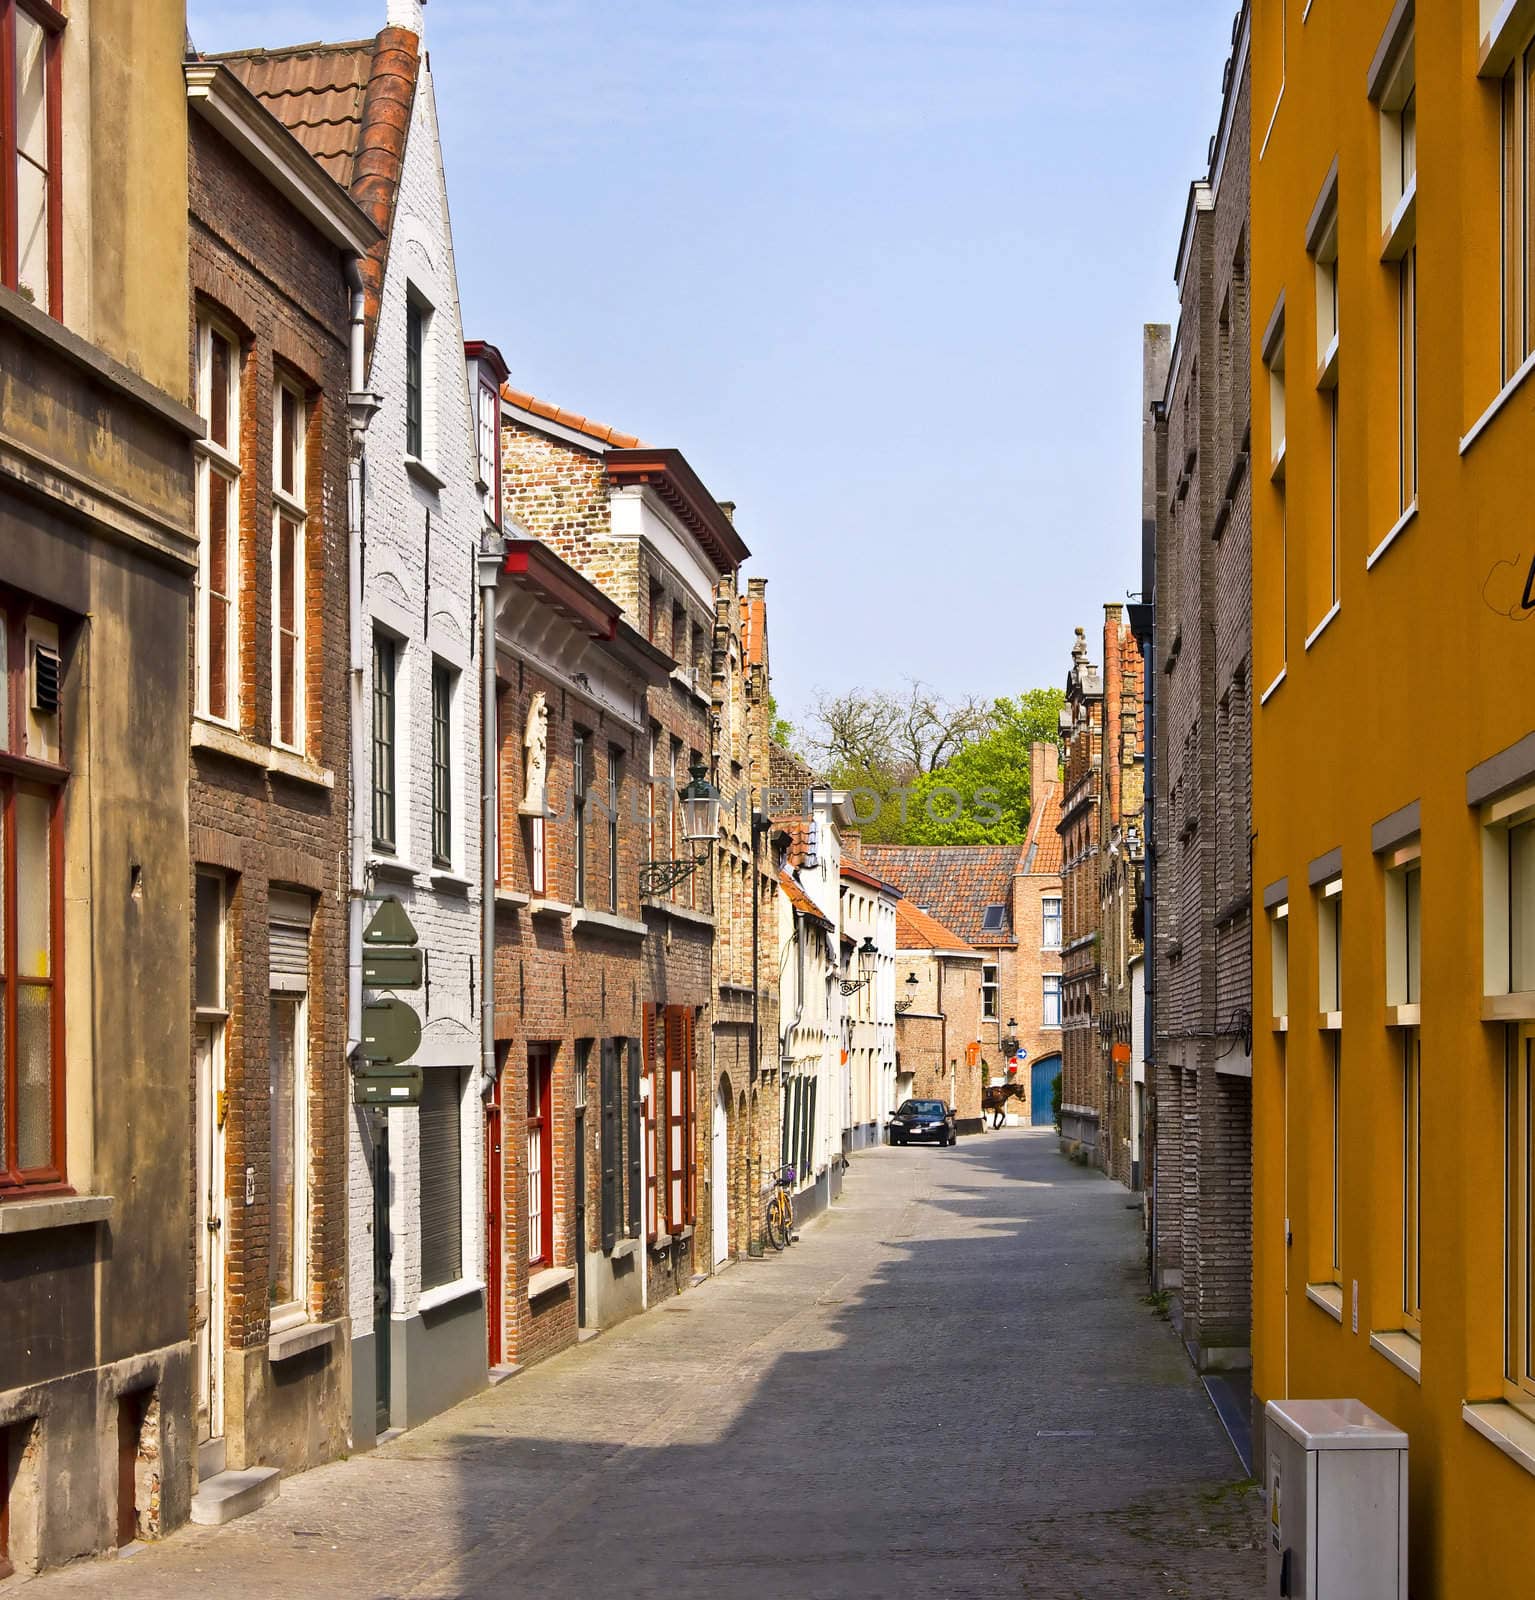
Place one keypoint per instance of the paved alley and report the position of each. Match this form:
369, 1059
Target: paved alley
951, 1386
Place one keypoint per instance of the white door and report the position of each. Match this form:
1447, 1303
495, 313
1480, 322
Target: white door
209, 1312
719, 1180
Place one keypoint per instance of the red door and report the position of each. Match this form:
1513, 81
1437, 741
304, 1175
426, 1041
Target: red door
493, 1223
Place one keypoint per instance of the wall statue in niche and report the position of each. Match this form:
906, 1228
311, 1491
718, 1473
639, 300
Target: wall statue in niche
535, 757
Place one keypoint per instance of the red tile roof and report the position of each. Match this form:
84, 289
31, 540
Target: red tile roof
568, 419
1042, 853
802, 901
954, 883
916, 930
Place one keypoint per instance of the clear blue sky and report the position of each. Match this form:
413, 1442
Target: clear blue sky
878, 267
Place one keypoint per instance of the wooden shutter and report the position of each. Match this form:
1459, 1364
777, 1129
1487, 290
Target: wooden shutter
689, 1112
442, 1203
676, 1122
807, 1155
636, 1138
608, 1152
652, 1151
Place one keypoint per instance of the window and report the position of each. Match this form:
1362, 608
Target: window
385, 665
1332, 448
1335, 1058
31, 903
653, 1147
540, 1157
1403, 929
993, 919
444, 683
629, 1054
1323, 247
989, 991
1519, 1202
416, 318
1050, 907
650, 791
578, 805
615, 786
1274, 363
31, 221
538, 876
1412, 1178
657, 616
1051, 1017
610, 1137
1279, 963
1330, 953
1508, 900
680, 1194
289, 522
695, 759
218, 523
1517, 213
1407, 379
488, 436
290, 916
442, 1193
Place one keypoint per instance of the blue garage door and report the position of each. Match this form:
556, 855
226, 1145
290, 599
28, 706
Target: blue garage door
1042, 1091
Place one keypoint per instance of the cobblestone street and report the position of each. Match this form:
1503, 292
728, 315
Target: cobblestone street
948, 1387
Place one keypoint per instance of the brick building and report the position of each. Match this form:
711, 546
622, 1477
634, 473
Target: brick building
589, 1199
938, 1033
1121, 853
638, 525
98, 567
1201, 984
270, 751
367, 112
1035, 1001
1082, 1086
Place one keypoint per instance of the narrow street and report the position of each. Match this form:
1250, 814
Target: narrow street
950, 1386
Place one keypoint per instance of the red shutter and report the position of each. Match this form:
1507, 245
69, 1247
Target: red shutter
677, 1164
648, 1048
689, 1111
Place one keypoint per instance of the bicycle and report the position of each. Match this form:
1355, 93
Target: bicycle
780, 1209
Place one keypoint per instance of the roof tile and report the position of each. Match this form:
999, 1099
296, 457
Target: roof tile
569, 419
916, 930
954, 883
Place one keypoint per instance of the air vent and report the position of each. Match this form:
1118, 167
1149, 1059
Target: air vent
45, 680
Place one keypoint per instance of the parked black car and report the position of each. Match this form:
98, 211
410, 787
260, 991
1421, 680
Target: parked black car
923, 1119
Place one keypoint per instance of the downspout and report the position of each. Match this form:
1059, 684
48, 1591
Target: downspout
754, 1137
361, 405
489, 569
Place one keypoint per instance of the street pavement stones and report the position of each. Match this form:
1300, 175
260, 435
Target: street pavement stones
953, 1385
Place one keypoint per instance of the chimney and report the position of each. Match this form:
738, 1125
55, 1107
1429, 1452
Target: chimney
852, 845
1044, 769
729, 508
406, 14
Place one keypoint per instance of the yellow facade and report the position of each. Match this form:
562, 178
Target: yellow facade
1395, 652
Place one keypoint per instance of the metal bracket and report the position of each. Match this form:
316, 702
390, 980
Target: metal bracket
852, 986
661, 877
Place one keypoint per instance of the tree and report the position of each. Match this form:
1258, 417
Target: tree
904, 734
780, 729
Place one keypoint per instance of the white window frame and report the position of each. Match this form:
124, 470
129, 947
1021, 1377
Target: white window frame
1404, 932
1508, 946
1047, 992
989, 987
1046, 917
292, 508
1329, 953
224, 460
1279, 965
290, 1312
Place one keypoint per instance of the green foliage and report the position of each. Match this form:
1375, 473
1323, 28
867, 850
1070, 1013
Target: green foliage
1055, 1101
780, 729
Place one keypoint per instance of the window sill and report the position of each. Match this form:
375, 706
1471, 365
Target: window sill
1276, 467
1501, 399
290, 1342
445, 1294
289, 764
660, 1244
54, 1211
682, 913
1509, 1007
425, 475
1404, 1016
1402, 228
550, 1279
1399, 527
1330, 1021
549, 908
624, 1249
1500, 44
1327, 368
1327, 1297
220, 740
512, 899
1273, 688
1282, 1024
392, 867
450, 882
1402, 1350
1501, 1424
1321, 627
608, 922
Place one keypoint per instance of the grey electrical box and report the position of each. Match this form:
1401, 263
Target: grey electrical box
1337, 1502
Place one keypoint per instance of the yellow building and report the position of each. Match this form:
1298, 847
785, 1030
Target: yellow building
1393, 757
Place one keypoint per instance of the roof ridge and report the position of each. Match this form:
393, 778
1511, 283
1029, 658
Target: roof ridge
574, 420
272, 52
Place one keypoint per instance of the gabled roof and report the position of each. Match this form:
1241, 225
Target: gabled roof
1042, 853
573, 420
954, 883
916, 930
802, 901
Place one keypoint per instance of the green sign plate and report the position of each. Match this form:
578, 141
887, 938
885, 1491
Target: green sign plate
389, 924
398, 1086
397, 968
391, 1031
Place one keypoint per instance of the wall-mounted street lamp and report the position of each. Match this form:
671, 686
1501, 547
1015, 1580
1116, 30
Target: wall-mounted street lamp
911, 993
1010, 1043
866, 955
700, 826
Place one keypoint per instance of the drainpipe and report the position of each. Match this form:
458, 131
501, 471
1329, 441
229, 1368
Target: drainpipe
360, 405
489, 569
